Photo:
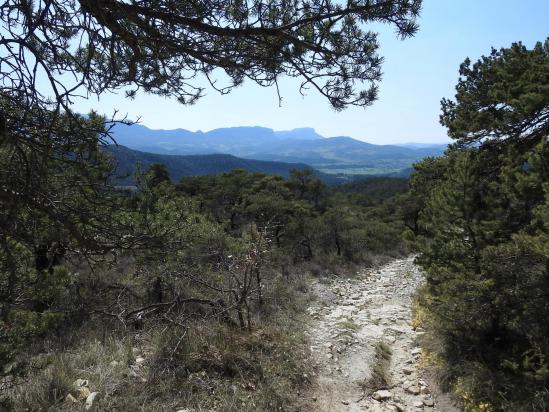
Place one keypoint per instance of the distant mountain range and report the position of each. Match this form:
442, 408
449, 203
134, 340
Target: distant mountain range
178, 166
334, 155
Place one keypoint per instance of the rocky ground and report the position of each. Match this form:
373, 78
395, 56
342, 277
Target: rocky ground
350, 318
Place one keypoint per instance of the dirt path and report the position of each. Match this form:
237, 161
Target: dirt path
350, 318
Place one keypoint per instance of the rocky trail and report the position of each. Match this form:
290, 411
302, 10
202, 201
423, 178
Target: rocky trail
352, 317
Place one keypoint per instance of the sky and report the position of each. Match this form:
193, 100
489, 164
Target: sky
418, 72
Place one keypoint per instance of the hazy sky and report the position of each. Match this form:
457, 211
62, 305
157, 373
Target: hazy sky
418, 72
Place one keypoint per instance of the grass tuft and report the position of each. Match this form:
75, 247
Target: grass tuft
378, 378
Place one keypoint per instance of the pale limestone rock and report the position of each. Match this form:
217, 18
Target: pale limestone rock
382, 395
414, 390
80, 382
70, 399
429, 402
83, 393
91, 399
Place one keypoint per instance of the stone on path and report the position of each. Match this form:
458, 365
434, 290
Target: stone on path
428, 402
382, 395
414, 390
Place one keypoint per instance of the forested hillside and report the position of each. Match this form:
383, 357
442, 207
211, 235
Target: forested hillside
127, 163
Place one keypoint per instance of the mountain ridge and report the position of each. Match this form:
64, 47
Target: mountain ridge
338, 154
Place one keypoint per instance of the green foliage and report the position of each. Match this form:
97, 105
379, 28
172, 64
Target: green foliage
502, 97
482, 230
487, 270
377, 188
24, 289
258, 41
156, 175
54, 202
302, 216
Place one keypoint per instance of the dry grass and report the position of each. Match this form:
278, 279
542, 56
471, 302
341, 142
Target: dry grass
47, 386
207, 365
348, 327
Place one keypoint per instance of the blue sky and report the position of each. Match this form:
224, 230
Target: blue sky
418, 72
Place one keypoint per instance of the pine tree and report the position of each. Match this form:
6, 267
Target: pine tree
483, 229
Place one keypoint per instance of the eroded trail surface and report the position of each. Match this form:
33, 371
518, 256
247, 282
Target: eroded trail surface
350, 318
